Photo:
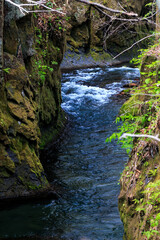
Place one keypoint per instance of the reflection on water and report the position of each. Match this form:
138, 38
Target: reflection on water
87, 166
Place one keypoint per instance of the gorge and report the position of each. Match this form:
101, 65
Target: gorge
34, 49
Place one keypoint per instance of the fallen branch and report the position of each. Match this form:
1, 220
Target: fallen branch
125, 135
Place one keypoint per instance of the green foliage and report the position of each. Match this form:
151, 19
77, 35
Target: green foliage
150, 233
146, 164
142, 120
42, 65
153, 172
131, 124
42, 70
139, 116
153, 191
151, 5
6, 70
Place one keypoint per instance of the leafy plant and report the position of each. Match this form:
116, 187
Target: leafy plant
141, 122
152, 172
6, 70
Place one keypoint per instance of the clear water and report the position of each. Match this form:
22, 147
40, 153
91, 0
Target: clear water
87, 166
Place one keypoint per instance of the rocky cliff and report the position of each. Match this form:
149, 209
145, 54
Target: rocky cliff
30, 98
1, 34
139, 199
93, 38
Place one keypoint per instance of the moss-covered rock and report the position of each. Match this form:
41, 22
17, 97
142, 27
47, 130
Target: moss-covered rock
90, 31
30, 106
139, 196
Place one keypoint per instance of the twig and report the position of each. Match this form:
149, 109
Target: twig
138, 19
122, 7
134, 45
31, 3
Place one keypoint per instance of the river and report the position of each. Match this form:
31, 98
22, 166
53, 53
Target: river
85, 165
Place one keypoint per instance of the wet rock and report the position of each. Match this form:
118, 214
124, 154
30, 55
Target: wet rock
130, 85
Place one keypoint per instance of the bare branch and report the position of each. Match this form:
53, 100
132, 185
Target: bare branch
125, 135
24, 7
108, 9
110, 27
122, 7
134, 45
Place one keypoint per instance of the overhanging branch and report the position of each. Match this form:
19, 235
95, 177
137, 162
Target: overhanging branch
134, 45
131, 14
30, 3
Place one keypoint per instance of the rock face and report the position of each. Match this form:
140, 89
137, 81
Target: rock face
92, 40
30, 99
1, 35
140, 181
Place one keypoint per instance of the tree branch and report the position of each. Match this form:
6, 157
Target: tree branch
125, 135
106, 8
31, 3
134, 45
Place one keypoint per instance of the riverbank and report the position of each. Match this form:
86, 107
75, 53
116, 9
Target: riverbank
139, 197
73, 61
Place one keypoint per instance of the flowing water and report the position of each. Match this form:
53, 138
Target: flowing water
85, 165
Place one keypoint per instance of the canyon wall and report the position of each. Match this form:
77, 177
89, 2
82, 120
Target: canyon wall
139, 199
1, 34
93, 39
30, 99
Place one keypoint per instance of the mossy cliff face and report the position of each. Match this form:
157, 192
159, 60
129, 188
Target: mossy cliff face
89, 43
139, 201
29, 102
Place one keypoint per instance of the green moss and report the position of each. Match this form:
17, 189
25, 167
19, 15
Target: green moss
71, 55
34, 187
126, 90
48, 105
48, 137
50, 133
11, 36
76, 50
99, 56
131, 106
79, 36
29, 184
5, 161
3, 174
